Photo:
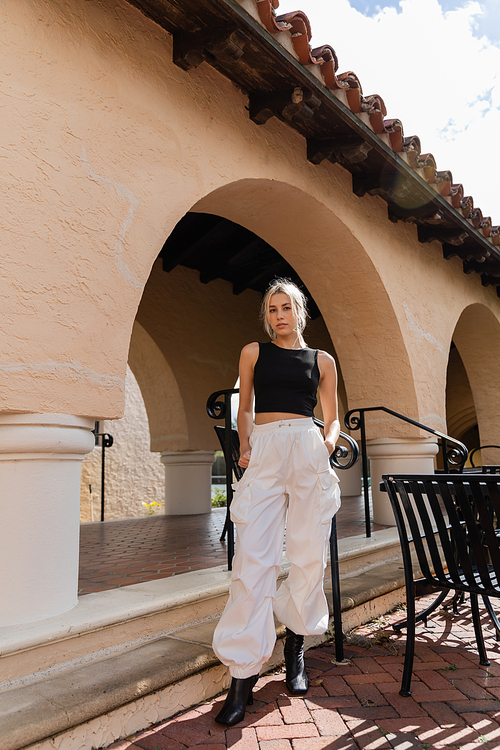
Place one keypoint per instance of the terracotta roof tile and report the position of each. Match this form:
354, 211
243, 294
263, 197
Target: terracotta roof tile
267, 15
457, 194
485, 225
299, 27
327, 57
475, 217
467, 205
396, 135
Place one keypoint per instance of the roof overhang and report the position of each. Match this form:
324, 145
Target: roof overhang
223, 34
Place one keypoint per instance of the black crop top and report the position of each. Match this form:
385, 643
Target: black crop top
286, 380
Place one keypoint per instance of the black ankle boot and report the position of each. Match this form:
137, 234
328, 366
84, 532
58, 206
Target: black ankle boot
239, 697
297, 681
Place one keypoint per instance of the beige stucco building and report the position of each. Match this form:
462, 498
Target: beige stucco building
160, 162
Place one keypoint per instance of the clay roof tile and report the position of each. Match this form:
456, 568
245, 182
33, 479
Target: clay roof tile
267, 14
457, 193
467, 205
300, 29
396, 135
327, 58
297, 23
485, 225
475, 217
444, 180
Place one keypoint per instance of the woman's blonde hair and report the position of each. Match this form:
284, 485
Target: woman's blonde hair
298, 301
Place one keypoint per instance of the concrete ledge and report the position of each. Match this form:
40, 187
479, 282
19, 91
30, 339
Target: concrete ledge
104, 623
57, 703
91, 705
124, 604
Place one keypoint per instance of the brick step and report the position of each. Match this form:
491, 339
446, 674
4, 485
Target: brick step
113, 691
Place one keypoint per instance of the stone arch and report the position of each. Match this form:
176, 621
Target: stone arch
477, 338
160, 391
344, 281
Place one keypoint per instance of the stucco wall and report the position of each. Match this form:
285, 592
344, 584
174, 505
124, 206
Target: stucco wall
133, 474
108, 144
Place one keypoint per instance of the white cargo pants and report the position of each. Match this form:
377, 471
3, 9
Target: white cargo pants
289, 469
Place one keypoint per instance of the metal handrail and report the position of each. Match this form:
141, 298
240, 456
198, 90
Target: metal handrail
219, 407
455, 456
106, 442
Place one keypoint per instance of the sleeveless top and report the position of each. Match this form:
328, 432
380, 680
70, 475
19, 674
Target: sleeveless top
286, 380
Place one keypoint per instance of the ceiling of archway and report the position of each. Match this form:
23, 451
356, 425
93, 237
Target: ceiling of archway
220, 249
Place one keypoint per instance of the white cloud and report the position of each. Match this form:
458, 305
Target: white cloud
432, 73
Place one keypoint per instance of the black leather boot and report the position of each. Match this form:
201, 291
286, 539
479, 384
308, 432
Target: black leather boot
297, 681
239, 697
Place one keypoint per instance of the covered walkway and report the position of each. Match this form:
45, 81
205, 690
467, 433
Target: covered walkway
135, 550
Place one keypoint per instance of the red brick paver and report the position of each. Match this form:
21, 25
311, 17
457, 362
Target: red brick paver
356, 705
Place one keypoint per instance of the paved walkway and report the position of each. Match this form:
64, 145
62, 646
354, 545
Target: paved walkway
134, 550
356, 705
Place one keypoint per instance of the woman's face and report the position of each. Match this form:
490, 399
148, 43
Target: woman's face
281, 317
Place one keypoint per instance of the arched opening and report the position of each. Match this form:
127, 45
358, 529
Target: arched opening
200, 306
324, 252
134, 475
477, 341
461, 418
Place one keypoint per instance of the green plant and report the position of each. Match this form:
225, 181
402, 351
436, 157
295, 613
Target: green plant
219, 499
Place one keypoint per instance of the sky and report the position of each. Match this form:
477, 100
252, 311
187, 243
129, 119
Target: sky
436, 65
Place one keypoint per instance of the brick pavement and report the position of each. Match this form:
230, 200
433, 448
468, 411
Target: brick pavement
356, 705
134, 550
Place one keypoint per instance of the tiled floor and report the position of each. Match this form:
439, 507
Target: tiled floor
134, 550
455, 703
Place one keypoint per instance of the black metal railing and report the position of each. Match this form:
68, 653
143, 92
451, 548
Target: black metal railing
219, 407
453, 457
105, 440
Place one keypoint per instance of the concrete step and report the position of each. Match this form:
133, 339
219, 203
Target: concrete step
106, 684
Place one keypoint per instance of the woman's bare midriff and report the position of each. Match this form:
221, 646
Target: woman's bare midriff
275, 416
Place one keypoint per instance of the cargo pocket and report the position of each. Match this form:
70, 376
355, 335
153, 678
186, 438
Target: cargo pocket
329, 501
241, 497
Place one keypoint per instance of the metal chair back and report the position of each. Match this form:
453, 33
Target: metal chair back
453, 522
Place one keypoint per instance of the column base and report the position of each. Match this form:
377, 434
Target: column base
396, 456
40, 464
188, 482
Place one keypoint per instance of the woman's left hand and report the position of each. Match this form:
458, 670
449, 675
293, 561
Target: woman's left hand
330, 447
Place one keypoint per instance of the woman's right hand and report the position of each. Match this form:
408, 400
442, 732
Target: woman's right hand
244, 459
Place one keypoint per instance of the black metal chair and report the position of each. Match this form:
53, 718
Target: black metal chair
453, 521
473, 452
230, 444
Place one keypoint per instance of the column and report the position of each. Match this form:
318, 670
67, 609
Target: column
188, 482
40, 465
397, 456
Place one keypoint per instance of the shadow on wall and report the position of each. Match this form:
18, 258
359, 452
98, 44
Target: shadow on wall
134, 475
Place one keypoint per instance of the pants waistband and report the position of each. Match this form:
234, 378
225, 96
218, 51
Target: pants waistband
284, 424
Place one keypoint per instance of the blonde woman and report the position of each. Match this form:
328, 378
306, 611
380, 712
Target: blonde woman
288, 476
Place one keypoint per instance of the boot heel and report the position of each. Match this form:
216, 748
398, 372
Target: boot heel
296, 676
255, 679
